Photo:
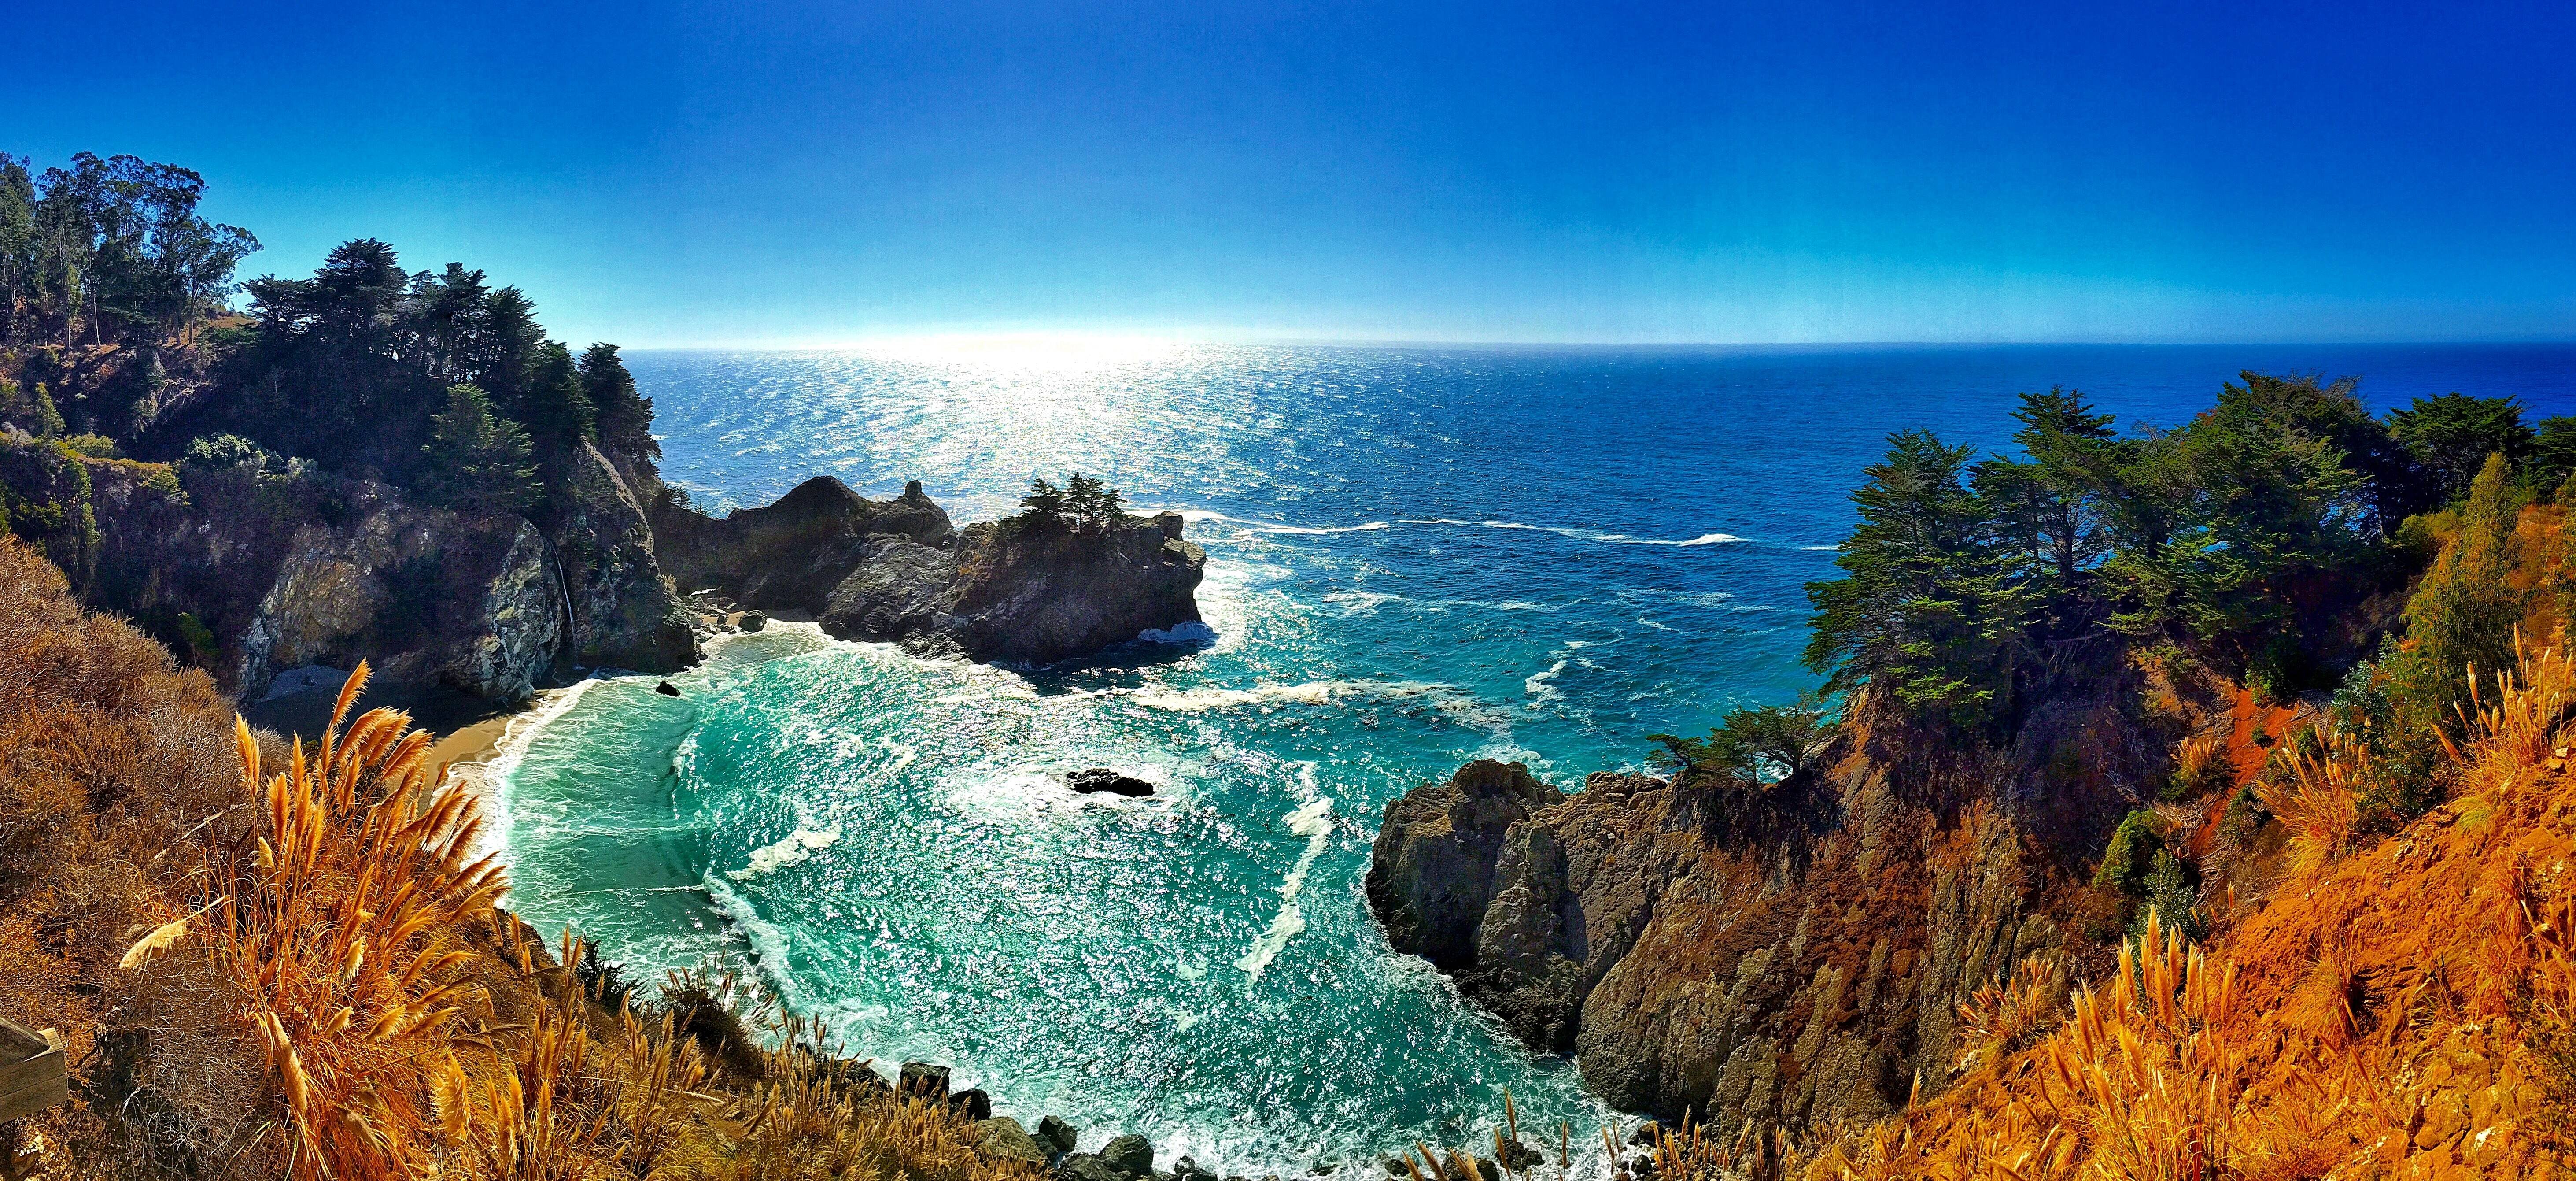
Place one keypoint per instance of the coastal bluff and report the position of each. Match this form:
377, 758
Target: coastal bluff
1792, 953
1017, 591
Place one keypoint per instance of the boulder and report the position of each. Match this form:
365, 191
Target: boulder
1055, 1131
1130, 1154
971, 1105
1100, 779
1084, 1166
1186, 1169
1431, 869
1003, 1139
922, 1080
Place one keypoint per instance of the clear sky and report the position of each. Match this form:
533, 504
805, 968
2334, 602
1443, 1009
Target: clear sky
662, 173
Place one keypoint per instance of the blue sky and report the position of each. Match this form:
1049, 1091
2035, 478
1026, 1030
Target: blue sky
702, 173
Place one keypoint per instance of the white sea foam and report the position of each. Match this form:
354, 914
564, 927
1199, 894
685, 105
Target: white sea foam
1314, 822
1200, 514
793, 849
1538, 686
489, 779
1581, 534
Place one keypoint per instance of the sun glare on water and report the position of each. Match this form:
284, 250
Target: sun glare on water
1043, 352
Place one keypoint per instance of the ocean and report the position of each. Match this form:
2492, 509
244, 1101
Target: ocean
1416, 557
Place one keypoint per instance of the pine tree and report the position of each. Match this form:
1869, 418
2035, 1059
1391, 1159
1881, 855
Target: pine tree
478, 460
1926, 614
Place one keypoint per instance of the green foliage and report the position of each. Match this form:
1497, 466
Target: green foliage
1044, 505
2173, 892
93, 446
2449, 438
2130, 858
1755, 746
229, 452
625, 416
2048, 506
1089, 502
1083, 503
2553, 452
2227, 524
2459, 623
201, 648
1927, 614
478, 460
109, 250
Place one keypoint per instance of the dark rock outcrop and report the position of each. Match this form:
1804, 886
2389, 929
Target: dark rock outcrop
1792, 954
1099, 779
626, 613
1039, 594
896, 571
1054, 1130
922, 1080
788, 555
1130, 1154
429, 596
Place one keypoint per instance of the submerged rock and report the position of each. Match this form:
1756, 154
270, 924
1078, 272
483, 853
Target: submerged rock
1100, 779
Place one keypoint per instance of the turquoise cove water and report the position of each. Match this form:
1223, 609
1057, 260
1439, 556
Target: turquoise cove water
1416, 557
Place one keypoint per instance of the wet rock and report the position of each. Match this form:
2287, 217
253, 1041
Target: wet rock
1004, 1139
1395, 1166
667, 689
753, 621
1099, 779
1431, 870
1516, 1155
1186, 1169
1130, 1154
972, 1105
1086, 1166
1055, 1131
922, 1080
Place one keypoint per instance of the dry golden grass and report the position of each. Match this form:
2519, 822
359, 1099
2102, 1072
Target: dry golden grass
2402, 1009
280, 961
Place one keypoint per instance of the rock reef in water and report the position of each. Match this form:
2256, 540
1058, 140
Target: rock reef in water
1100, 779
1014, 591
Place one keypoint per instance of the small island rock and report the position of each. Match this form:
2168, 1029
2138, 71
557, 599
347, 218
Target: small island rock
1103, 779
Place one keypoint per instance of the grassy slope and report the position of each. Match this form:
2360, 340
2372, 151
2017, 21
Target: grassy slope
276, 961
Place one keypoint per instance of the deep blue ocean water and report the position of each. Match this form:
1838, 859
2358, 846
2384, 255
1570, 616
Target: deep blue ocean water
1415, 557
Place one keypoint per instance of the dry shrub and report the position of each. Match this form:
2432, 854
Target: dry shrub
342, 930
2000, 1019
2403, 1007
2318, 802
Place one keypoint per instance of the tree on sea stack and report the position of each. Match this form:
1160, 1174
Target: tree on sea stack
477, 459
1092, 504
1044, 505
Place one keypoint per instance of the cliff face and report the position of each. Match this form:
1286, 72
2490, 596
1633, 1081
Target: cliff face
898, 571
1792, 954
1041, 594
625, 612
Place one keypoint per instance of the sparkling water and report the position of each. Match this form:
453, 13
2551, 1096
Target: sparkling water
1415, 558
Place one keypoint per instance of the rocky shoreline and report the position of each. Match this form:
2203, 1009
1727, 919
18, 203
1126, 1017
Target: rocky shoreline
623, 574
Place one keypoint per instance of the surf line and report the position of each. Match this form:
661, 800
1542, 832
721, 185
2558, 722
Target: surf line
1314, 822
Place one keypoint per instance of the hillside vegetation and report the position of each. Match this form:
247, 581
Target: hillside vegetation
274, 960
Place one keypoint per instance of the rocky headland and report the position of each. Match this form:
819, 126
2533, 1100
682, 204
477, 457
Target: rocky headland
1788, 955
1020, 590
256, 576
